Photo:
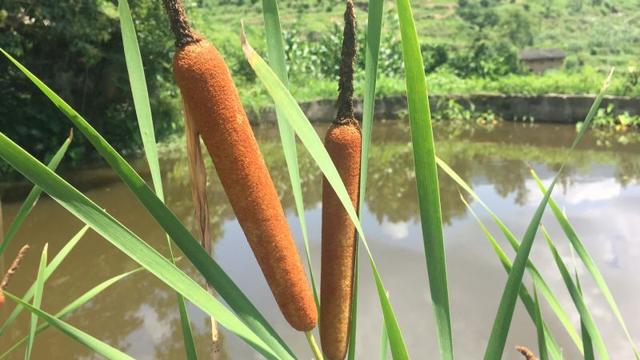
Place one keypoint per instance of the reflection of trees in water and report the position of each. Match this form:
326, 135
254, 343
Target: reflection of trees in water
492, 156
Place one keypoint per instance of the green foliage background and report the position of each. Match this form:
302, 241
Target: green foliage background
75, 45
468, 46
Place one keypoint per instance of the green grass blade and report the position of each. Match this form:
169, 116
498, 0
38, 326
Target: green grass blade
525, 297
142, 106
542, 345
578, 300
586, 339
426, 176
138, 83
53, 265
37, 301
384, 343
537, 278
71, 307
502, 323
85, 339
32, 198
309, 137
205, 264
372, 49
588, 262
127, 242
275, 51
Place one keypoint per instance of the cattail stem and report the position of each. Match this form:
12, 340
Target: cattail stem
182, 31
313, 345
345, 87
14, 267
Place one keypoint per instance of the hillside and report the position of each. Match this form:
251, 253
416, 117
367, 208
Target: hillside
468, 46
592, 32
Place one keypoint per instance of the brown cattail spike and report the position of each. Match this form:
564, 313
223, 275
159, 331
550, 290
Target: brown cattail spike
179, 24
14, 267
528, 354
343, 141
212, 102
345, 87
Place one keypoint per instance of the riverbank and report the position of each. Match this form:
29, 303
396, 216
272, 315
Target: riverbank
551, 108
513, 141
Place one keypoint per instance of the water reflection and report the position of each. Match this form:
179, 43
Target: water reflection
139, 315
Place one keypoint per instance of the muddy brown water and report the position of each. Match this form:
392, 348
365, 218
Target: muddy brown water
599, 192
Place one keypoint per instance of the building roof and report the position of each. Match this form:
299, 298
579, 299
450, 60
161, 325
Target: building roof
542, 54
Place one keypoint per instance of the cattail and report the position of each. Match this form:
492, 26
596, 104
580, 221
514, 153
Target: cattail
12, 270
343, 142
214, 106
528, 354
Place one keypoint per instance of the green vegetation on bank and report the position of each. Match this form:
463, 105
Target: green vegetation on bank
468, 46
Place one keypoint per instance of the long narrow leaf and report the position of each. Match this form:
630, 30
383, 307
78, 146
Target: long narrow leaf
37, 301
145, 124
71, 307
537, 278
578, 300
542, 345
205, 264
32, 198
85, 339
53, 265
502, 323
372, 49
524, 295
426, 176
384, 343
126, 241
275, 50
588, 262
306, 133
586, 338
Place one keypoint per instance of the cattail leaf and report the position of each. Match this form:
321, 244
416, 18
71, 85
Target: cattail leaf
525, 297
275, 51
542, 344
586, 338
371, 51
588, 262
578, 300
71, 307
142, 106
205, 264
32, 198
37, 301
51, 267
87, 340
537, 278
426, 177
502, 323
384, 343
296, 118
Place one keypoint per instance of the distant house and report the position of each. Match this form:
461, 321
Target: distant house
539, 60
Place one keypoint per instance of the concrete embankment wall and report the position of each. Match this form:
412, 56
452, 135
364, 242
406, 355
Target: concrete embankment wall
567, 109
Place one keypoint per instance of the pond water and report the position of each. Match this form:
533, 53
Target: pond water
599, 191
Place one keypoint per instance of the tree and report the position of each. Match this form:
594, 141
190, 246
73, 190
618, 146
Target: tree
75, 47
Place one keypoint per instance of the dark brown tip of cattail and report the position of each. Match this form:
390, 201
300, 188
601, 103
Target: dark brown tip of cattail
528, 354
345, 88
179, 24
